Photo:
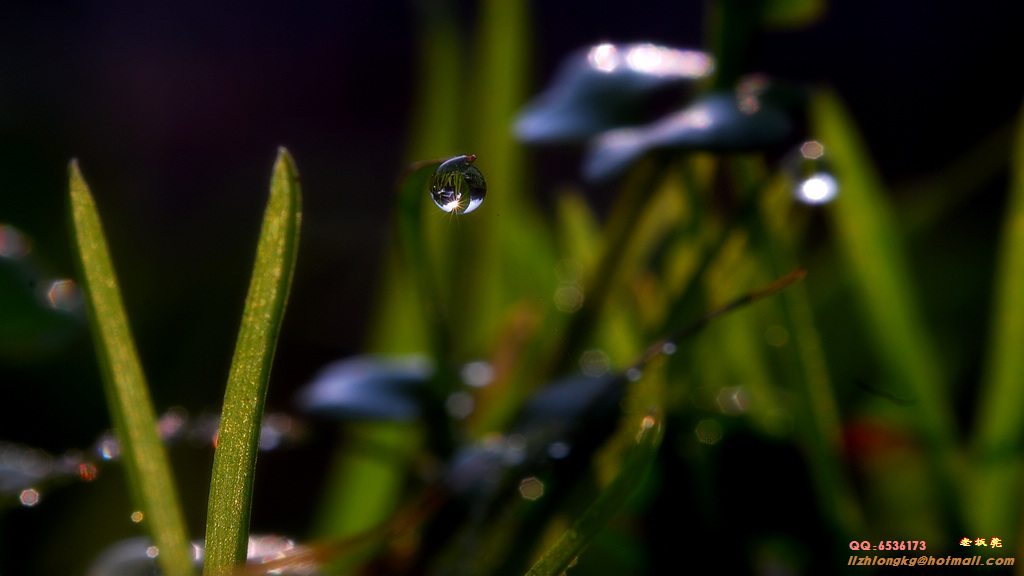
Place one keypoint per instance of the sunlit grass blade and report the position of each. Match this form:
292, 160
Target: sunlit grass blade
634, 469
866, 231
996, 443
143, 453
227, 525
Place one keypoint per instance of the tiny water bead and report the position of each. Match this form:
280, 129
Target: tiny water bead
458, 186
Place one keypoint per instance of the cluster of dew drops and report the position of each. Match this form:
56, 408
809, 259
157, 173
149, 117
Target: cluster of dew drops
27, 472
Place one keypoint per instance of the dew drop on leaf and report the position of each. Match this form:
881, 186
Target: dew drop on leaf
458, 186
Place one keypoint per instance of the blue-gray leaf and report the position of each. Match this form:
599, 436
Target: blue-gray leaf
602, 87
368, 388
716, 122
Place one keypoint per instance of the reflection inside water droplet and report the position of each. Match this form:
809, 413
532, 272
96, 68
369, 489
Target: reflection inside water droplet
458, 186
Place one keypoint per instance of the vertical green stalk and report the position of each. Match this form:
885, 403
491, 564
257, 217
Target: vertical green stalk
997, 444
145, 459
227, 524
867, 232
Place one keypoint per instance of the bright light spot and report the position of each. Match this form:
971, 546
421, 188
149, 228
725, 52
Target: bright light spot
594, 363
634, 374
733, 400
817, 189
604, 57
13, 244
662, 61
64, 295
459, 405
708, 431
812, 149
569, 298
136, 516
152, 551
531, 488
478, 374
29, 497
669, 348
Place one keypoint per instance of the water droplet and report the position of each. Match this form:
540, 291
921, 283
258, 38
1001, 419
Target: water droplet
458, 186
87, 471
812, 150
108, 447
634, 374
558, 450
514, 451
669, 348
136, 516
819, 188
569, 297
531, 488
29, 497
13, 244
63, 295
172, 423
708, 431
477, 374
459, 405
594, 363
152, 551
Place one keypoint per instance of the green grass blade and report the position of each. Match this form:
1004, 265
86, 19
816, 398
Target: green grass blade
145, 459
868, 233
1001, 406
634, 469
227, 524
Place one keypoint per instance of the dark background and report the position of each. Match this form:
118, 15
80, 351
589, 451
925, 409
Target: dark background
175, 112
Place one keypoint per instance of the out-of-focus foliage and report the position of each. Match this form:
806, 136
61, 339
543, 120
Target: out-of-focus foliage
545, 393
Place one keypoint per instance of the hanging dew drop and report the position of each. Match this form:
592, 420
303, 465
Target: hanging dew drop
458, 186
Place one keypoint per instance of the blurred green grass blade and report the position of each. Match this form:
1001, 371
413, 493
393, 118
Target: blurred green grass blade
227, 525
789, 14
1000, 418
818, 415
143, 454
634, 469
867, 232
509, 252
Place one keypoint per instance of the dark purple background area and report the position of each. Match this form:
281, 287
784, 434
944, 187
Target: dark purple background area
175, 111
